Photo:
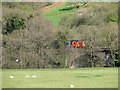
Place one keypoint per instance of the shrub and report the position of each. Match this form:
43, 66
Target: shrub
61, 38
100, 8
27, 8
117, 63
10, 4
76, 20
14, 23
80, 20
49, 3
112, 17
31, 16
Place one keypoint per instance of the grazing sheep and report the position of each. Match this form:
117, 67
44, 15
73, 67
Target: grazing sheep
16, 60
33, 76
71, 86
27, 76
11, 76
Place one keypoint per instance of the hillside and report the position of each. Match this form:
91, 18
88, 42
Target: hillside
29, 29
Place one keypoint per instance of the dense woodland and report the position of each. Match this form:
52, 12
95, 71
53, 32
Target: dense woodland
28, 33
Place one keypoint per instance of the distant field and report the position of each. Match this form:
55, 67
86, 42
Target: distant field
61, 78
55, 14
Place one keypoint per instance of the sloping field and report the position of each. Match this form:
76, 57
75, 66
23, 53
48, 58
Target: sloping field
55, 13
52, 6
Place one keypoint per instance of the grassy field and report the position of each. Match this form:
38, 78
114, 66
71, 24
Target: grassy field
61, 78
55, 14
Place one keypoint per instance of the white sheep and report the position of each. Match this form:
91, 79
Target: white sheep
27, 76
71, 86
34, 76
16, 60
11, 76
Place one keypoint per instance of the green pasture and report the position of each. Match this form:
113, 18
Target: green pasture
61, 78
55, 14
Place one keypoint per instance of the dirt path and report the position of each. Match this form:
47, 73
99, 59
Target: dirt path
52, 6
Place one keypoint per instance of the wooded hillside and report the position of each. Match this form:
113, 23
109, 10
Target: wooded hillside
28, 34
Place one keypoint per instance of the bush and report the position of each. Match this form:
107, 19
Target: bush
61, 39
80, 20
112, 17
117, 63
11, 4
14, 23
27, 8
49, 3
100, 8
76, 20
31, 16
